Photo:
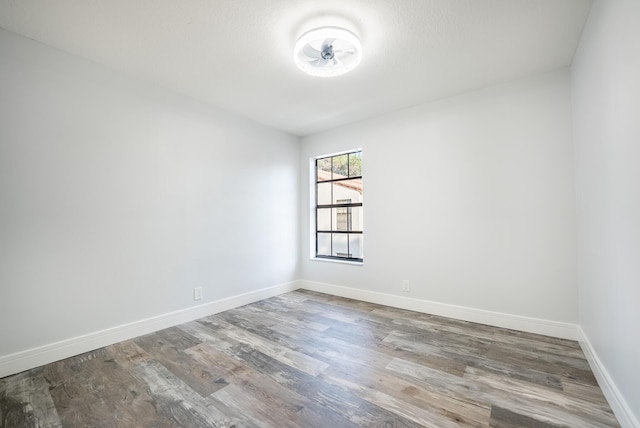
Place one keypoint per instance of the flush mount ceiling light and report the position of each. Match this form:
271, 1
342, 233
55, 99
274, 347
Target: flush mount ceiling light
327, 51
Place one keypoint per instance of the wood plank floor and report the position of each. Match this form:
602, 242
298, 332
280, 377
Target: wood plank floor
306, 359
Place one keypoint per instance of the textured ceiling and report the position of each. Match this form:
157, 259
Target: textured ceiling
237, 54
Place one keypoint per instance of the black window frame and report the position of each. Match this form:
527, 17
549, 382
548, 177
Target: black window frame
348, 206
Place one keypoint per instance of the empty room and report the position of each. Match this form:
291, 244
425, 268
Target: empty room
294, 213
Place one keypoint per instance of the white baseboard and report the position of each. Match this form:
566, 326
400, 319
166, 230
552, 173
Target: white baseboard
35, 357
618, 404
516, 322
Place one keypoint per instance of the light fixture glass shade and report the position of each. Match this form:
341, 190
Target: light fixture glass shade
327, 51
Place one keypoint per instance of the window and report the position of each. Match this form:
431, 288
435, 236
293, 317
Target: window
338, 206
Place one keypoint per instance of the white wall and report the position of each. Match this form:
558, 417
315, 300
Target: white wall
606, 105
118, 198
471, 199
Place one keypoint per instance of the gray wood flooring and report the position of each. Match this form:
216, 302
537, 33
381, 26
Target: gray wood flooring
306, 359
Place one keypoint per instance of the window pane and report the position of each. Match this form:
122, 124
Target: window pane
355, 164
347, 189
324, 219
356, 218
340, 245
342, 218
340, 166
323, 169
324, 244
324, 193
355, 246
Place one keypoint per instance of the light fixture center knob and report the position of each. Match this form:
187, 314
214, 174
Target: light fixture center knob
327, 52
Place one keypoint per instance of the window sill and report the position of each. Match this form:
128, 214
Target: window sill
344, 262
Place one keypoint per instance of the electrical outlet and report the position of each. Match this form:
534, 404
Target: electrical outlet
405, 286
197, 293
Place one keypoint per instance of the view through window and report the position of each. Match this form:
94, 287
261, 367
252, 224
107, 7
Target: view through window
338, 181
